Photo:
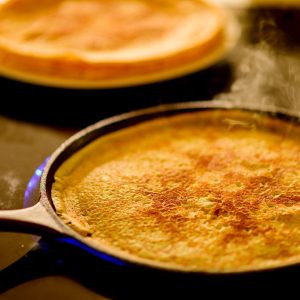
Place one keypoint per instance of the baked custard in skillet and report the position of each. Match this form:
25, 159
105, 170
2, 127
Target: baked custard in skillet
106, 40
215, 191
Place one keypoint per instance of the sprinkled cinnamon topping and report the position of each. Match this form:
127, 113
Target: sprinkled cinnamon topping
192, 191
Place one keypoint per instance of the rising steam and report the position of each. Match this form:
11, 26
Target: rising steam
265, 72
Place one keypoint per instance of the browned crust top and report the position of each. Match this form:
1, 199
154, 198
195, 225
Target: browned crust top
216, 190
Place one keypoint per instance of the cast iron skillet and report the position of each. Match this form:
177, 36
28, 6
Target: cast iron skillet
41, 219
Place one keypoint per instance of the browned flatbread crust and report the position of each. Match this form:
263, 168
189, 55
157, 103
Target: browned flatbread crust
106, 39
206, 191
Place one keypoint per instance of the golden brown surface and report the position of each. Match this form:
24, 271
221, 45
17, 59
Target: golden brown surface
213, 191
105, 39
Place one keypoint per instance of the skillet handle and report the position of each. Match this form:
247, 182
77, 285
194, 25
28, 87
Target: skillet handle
34, 220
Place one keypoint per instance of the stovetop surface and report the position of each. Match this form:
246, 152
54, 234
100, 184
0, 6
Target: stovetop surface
263, 68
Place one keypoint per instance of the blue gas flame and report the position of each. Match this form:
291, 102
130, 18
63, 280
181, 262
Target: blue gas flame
33, 183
